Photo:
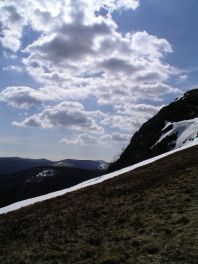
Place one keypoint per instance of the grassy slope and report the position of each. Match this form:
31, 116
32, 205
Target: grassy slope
149, 215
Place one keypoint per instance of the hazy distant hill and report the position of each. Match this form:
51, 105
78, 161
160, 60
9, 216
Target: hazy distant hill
144, 216
10, 165
83, 164
14, 164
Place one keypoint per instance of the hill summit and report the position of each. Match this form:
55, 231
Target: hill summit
174, 126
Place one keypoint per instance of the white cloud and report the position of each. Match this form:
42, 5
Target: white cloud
130, 116
87, 139
70, 42
123, 122
142, 110
148, 45
66, 114
80, 54
11, 26
156, 91
75, 42
46, 15
13, 68
20, 96
121, 137
118, 4
26, 97
183, 77
82, 139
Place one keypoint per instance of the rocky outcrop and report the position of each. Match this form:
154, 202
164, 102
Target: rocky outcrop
143, 144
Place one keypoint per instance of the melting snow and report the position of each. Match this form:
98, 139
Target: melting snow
46, 173
103, 165
186, 132
91, 182
63, 164
39, 177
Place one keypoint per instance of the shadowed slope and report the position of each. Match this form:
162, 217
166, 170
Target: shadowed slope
145, 216
38, 181
143, 143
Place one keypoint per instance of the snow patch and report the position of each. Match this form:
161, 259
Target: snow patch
39, 177
91, 182
103, 165
186, 132
64, 164
46, 173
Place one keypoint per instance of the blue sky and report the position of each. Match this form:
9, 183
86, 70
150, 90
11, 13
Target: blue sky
79, 77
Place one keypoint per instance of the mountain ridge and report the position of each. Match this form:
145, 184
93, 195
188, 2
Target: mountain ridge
143, 143
9, 165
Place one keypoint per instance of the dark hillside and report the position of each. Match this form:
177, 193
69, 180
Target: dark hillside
9, 165
142, 142
28, 184
149, 215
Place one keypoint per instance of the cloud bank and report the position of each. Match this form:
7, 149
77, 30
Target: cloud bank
79, 55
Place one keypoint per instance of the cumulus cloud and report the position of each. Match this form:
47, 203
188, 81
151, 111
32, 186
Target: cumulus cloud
46, 15
155, 47
80, 55
65, 114
20, 96
87, 139
75, 42
130, 116
123, 122
156, 90
118, 65
121, 137
11, 26
119, 4
141, 110
82, 139
26, 97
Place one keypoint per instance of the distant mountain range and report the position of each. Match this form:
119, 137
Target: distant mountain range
10, 165
174, 126
26, 178
83, 164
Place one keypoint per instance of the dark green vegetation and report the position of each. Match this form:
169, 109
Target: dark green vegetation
142, 142
149, 215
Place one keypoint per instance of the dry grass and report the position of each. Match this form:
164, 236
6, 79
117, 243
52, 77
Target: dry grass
147, 216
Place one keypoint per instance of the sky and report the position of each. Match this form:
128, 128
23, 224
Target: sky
79, 77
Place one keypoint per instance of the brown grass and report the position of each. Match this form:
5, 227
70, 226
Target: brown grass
149, 215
